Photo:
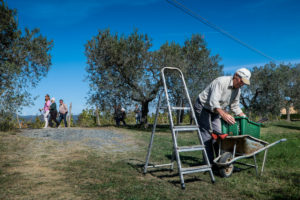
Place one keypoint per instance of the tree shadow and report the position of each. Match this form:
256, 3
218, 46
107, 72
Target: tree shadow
289, 127
284, 192
187, 160
164, 173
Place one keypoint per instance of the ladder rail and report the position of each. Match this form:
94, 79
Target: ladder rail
152, 134
175, 129
191, 107
172, 123
193, 116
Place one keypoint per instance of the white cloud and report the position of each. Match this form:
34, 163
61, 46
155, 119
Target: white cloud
233, 68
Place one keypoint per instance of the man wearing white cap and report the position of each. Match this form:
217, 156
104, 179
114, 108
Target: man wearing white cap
211, 104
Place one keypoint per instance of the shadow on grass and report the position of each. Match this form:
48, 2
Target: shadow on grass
283, 193
163, 173
288, 127
291, 177
136, 164
187, 160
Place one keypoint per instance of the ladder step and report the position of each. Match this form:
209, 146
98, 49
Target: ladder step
181, 108
190, 148
190, 170
186, 128
161, 165
175, 108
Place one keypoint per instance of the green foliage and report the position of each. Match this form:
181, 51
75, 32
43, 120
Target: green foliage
24, 60
123, 69
293, 117
7, 122
86, 118
295, 87
272, 87
37, 123
120, 70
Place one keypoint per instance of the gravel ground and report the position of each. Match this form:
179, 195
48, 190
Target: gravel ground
95, 138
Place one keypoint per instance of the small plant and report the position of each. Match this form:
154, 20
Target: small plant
7, 123
86, 118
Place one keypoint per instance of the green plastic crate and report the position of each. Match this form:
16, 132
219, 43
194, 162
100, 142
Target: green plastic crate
243, 126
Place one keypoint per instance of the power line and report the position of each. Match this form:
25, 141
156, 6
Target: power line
215, 27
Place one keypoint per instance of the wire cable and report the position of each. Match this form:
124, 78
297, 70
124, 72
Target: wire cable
215, 27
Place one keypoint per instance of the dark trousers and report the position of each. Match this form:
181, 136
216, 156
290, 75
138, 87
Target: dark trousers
53, 115
118, 120
63, 117
208, 122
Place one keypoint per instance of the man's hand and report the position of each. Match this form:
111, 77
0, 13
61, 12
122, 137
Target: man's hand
242, 115
225, 116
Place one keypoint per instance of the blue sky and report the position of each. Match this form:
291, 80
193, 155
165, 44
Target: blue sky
271, 26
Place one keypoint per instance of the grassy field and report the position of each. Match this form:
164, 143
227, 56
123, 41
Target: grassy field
39, 169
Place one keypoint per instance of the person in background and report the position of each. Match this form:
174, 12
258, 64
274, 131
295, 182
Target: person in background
211, 104
117, 112
138, 114
53, 112
46, 110
63, 111
123, 116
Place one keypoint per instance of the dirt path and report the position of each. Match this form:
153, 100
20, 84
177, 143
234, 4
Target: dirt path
106, 139
33, 162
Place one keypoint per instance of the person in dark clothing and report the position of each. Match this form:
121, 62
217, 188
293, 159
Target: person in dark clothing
123, 116
138, 114
120, 115
63, 111
117, 114
53, 113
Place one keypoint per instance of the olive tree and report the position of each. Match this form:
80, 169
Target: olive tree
272, 88
196, 63
120, 70
24, 60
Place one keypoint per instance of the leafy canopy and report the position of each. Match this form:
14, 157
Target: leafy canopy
24, 60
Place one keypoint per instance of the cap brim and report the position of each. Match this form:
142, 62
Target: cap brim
246, 81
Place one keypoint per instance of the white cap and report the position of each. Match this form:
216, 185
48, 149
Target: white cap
122, 109
245, 74
52, 99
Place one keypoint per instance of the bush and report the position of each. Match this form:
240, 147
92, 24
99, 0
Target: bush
86, 118
37, 123
7, 122
292, 116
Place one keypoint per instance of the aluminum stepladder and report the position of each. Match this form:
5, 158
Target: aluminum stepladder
175, 129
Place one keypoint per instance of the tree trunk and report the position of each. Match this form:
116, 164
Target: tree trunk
97, 117
18, 121
179, 113
70, 114
191, 118
145, 110
288, 115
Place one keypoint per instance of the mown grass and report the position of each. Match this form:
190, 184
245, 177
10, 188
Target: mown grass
95, 175
122, 177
